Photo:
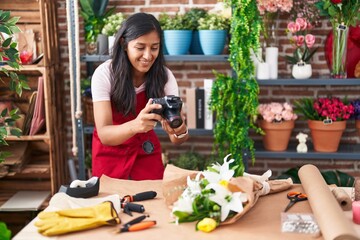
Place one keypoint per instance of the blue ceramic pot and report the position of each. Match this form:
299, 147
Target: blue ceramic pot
212, 41
177, 42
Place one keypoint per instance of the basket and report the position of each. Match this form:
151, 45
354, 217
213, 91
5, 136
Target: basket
88, 112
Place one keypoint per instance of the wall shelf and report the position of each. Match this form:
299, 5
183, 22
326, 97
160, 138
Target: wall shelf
309, 82
168, 58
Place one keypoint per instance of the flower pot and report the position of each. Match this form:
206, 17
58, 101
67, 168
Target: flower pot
102, 43
326, 137
111, 41
177, 42
195, 46
277, 135
212, 41
272, 58
301, 71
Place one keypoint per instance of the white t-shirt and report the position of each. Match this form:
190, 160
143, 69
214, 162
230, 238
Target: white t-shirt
101, 83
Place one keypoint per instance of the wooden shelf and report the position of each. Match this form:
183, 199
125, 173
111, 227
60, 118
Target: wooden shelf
309, 82
168, 58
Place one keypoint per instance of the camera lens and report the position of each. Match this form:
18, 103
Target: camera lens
175, 121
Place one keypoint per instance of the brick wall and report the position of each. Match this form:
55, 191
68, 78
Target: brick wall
192, 74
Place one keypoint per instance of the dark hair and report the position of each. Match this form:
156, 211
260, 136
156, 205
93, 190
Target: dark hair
123, 95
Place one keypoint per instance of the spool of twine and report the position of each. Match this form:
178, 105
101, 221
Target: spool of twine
357, 189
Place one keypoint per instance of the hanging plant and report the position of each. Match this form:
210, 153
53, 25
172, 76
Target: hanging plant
235, 98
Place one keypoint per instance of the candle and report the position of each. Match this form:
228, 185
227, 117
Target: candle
356, 212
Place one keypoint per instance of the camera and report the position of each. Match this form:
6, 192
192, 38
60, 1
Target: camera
171, 108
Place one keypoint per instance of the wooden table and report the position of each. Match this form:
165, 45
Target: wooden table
263, 221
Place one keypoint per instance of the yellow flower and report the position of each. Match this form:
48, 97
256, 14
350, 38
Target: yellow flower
206, 225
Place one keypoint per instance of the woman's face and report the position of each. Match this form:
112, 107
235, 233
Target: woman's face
143, 51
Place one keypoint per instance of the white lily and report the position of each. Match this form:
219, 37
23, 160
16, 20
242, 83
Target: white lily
223, 174
228, 201
193, 185
184, 204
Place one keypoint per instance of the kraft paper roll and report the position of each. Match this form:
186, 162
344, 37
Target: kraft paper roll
342, 198
331, 219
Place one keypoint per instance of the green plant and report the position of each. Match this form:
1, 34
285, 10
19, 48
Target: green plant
93, 12
190, 160
9, 55
5, 233
235, 98
214, 22
113, 23
336, 177
193, 16
176, 22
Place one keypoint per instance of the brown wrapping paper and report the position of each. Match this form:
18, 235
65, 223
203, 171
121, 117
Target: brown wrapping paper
328, 213
175, 181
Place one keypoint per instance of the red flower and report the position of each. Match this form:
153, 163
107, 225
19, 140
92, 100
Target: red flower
336, 1
333, 108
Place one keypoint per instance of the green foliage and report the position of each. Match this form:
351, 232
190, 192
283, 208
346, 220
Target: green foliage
113, 23
336, 177
305, 107
93, 12
193, 15
190, 161
235, 98
176, 22
214, 22
10, 55
5, 233
298, 55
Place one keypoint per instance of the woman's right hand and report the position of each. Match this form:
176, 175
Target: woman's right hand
146, 120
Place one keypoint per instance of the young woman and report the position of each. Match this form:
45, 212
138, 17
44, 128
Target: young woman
124, 143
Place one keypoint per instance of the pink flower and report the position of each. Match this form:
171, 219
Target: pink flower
310, 40
276, 112
293, 27
302, 23
300, 40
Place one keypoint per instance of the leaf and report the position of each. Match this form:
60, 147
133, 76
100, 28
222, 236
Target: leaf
86, 7
7, 42
99, 7
5, 29
16, 132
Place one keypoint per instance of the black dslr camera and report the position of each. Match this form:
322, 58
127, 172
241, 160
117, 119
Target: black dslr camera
171, 108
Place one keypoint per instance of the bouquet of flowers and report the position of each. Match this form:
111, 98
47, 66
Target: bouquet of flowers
276, 112
327, 108
214, 197
301, 40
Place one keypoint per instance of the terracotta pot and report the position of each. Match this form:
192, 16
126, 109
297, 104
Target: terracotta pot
277, 135
357, 126
326, 137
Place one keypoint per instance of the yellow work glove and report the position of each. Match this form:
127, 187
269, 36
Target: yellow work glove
72, 220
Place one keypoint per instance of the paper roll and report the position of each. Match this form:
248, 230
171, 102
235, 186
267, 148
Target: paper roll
342, 198
331, 219
357, 189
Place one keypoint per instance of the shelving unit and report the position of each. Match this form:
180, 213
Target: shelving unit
345, 152
45, 168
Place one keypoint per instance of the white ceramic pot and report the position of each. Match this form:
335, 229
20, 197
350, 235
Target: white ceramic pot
271, 57
263, 71
111, 40
301, 71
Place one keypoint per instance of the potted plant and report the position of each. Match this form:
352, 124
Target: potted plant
94, 14
213, 29
356, 104
111, 26
193, 16
177, 33
326, 120
303, 41
277, 120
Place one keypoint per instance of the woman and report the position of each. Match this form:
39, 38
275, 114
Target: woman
124, 143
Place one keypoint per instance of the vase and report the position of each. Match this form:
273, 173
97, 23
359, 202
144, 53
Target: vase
339, 49
102, 43
270, 30
301, 71
263, 71
326, 136
111, 41
277, 134
271, 58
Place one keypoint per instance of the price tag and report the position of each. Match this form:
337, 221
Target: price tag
327, 121
342, 27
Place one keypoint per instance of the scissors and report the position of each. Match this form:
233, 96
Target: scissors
295, 197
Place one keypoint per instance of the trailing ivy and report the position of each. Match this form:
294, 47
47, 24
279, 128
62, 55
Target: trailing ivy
235, 98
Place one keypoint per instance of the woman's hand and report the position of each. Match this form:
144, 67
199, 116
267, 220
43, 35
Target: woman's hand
177, 135
146, 120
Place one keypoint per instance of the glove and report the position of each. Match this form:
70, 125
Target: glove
72, 220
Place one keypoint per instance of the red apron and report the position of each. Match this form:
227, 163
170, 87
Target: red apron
128, 160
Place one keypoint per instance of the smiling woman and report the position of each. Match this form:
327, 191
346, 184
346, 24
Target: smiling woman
124, 143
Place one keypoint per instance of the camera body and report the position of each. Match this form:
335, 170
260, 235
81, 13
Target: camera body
171, 109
